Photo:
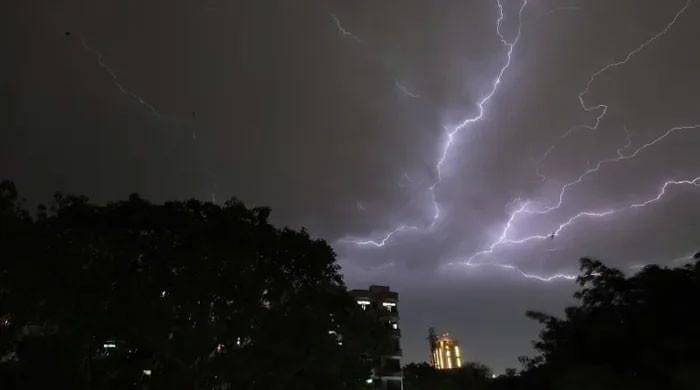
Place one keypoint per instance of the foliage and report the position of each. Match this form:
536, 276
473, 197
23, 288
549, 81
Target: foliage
181, 295
472, 376
637, 332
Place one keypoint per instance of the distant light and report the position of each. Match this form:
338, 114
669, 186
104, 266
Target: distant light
147, 372
369, 381
493, 376
363, 304
109, 345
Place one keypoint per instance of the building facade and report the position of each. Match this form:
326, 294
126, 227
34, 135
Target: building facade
444, 351
387, 374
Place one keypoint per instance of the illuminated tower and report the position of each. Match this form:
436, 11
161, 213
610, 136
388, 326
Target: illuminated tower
387, 373
445, 353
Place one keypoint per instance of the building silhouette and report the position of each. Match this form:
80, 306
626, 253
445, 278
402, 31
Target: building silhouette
387, 373
444, 351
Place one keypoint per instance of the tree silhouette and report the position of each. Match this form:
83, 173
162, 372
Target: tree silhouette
184, 295
637, 332
422, 376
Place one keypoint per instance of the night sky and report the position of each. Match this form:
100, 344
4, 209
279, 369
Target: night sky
466, 153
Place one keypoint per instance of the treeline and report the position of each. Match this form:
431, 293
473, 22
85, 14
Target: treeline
184, 295
193, 295
639, 332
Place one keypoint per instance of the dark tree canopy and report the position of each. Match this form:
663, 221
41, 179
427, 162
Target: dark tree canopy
637, 332
640, 332
183, 295
471, 376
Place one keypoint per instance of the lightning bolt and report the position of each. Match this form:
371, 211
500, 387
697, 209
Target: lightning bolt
512, 268
603, 108
686, 258
621, 156
381, 242
503, 239
115, 79
454, 131
344, 32
526, 208
404, 89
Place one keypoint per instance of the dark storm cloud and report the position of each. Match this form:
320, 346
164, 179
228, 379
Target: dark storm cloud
271, 102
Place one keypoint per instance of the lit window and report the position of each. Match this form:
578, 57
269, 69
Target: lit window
395, 325
363, 304
389, 306
147, 372
109, 345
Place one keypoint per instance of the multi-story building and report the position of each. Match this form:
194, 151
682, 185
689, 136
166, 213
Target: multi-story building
444, 351
387, 374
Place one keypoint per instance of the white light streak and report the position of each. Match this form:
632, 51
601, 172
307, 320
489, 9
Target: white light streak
454, 131
115, 79
603, 108
529, 208
343, 31
620, 156
405, 90
383, 241
503, 239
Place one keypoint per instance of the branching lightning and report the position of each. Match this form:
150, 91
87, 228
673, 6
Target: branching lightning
503, 239
452, 133
621, 156
602, 109
523, 209
381, 242
512, 268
